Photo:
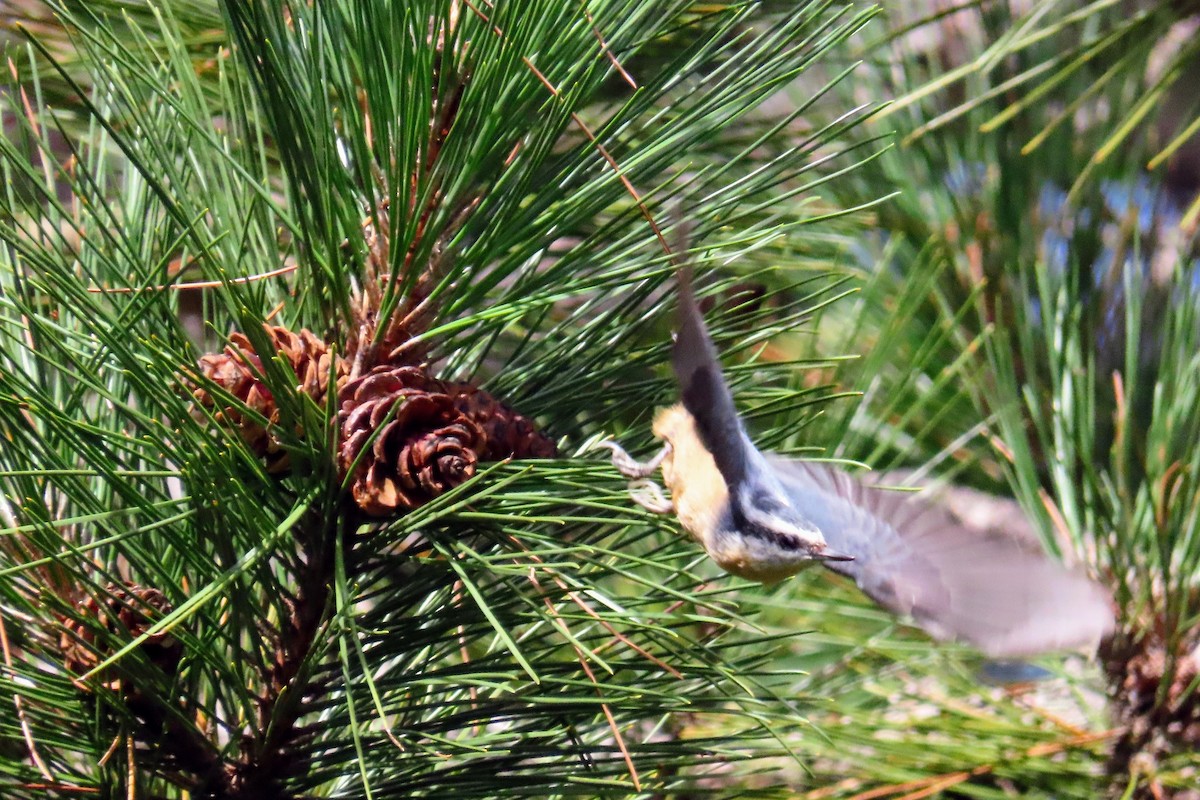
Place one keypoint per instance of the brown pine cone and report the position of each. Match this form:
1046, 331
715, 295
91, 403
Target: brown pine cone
507, 434
126, 611
431, 443
420, 444
236, 369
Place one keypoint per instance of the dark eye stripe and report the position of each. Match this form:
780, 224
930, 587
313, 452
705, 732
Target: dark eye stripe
784, 541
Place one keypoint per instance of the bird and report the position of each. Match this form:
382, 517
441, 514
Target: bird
766, 517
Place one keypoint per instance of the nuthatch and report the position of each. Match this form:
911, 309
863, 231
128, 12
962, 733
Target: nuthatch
765, 517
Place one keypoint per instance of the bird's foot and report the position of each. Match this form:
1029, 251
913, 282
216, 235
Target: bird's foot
649, 495
646, 493
630, 467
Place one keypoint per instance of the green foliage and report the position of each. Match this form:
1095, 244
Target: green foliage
1121, 70
526, 634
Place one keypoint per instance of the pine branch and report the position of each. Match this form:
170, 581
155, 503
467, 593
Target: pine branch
354, 191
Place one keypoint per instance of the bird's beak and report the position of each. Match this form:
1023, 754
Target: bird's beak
831, 555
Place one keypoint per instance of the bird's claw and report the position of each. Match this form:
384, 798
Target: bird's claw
646, 493
630, 467
649, 495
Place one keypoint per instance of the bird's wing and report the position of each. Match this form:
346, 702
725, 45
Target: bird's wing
704, 392
708, 400
913, 558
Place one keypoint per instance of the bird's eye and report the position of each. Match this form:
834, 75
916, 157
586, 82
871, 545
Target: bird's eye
789, 542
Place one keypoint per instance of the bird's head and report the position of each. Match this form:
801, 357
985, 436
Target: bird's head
769, 516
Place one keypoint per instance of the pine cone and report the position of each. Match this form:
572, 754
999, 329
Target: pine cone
236, 369
126, 611
507, 434
431, 443
420, 444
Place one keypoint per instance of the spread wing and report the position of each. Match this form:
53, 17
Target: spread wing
758, 499
913, 558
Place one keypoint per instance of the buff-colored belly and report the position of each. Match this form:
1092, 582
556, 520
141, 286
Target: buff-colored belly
698, 491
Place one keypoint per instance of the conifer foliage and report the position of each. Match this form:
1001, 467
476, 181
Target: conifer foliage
306, 310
